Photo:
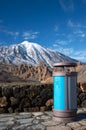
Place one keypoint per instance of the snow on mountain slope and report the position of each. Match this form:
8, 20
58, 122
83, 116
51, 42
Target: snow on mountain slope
30, 53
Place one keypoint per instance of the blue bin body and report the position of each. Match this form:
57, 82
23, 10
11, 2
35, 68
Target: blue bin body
59, 93
65, 93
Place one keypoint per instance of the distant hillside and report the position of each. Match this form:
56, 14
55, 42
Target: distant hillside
6, 75
23, 72
29, 73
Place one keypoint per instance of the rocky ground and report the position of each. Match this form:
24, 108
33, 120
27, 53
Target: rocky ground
41, 121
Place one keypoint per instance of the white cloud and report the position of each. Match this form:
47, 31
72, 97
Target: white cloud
55, 45
78, 55
12, 33
77, 25
83, 35
80, 33
62, 49
67, 5
30, 35
61, 42
67, 51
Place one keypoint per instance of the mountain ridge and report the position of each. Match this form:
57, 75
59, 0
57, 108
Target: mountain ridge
31, 53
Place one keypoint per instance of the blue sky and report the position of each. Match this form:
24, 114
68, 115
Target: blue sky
56, 24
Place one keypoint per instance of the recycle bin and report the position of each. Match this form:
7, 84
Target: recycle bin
65, 98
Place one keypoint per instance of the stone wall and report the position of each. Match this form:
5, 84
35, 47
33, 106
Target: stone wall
81, 95
18, 98
38, 97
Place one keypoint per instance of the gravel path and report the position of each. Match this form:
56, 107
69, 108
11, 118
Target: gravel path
40, 121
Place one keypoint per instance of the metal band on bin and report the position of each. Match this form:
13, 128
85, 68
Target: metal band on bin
67, 64
63, 73
65, 113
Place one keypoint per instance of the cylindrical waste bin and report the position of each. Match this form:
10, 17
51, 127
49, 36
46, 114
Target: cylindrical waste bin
65, 98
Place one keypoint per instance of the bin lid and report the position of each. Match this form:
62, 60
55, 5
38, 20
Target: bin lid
65, 64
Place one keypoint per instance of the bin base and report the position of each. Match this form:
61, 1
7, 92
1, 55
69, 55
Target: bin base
64, 116
64, 120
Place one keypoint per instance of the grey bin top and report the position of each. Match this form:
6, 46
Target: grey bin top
65, 64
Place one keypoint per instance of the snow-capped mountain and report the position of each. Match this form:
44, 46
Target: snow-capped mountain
30, 53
